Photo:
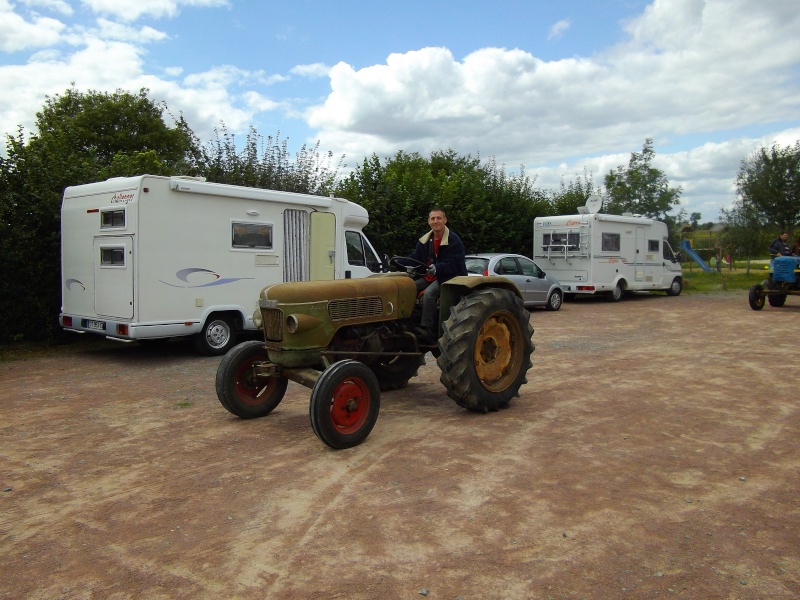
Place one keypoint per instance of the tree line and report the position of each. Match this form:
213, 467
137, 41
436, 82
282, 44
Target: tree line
83, 137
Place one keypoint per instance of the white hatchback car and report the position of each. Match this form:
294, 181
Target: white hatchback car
536, 286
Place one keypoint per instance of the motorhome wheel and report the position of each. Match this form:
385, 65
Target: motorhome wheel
217, 337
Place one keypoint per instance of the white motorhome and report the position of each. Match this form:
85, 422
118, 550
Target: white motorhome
149, 257
590, 253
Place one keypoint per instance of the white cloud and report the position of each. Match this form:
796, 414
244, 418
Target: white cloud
16, 33
689, 67
116, 31
258, 103
687, 70
130, 10
311, 71
107, 65
59, 6
558, 29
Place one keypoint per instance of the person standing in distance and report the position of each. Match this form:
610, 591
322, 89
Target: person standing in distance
443, 252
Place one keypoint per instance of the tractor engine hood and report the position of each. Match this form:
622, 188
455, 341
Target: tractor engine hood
393, 286
305, 315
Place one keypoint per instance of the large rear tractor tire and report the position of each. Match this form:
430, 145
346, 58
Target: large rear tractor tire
776, 300
239, 390
756, 297
486, 349
393, 372
345, 403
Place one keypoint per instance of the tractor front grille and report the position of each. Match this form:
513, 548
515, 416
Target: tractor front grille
273, 324
355, 308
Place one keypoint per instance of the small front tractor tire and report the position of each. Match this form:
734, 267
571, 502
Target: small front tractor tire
239, 390
345, 402
486, 349
756, 297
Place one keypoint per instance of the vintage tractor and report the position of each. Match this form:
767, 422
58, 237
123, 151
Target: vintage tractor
783, 280
349, 339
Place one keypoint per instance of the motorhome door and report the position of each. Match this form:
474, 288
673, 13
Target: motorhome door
323, 246
639, 254
113, 276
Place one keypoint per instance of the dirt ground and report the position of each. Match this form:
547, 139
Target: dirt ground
653, 453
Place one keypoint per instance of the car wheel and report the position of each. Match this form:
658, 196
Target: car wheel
555, 300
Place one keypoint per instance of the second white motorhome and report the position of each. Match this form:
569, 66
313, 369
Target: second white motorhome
612, 254
147, 257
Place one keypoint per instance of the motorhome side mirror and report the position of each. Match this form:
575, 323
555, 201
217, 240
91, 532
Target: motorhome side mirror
385, 264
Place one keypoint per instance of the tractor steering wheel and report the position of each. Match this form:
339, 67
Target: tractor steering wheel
412, 266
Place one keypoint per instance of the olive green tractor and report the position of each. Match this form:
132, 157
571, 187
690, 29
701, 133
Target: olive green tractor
350, 339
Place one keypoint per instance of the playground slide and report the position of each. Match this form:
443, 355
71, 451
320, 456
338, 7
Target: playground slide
686, 246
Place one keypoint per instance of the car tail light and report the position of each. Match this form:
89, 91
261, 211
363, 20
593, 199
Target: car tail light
585, 288
66, 321
486, 273
122, 329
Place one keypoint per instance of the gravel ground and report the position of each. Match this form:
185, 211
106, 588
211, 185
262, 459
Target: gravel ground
653, 453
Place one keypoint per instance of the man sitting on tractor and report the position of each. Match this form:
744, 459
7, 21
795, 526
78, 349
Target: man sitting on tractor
443, 251
779, 247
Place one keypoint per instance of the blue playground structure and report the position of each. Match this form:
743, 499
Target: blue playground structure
686, 246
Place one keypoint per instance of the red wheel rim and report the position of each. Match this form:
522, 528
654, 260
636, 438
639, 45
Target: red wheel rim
350, 405
253, 390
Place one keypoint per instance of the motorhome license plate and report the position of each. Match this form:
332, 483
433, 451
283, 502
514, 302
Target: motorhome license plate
101, 325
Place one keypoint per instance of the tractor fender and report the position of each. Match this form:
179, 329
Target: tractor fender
456, 288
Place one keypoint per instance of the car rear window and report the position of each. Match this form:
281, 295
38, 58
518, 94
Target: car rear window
476, 265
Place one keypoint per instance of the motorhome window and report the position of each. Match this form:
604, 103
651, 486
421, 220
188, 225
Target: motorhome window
611, 242
112, 256
355, 248
668, 254
561, 239
251, 235
112, 218
652, 245
373, 262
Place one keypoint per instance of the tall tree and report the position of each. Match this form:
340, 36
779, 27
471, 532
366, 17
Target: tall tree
570, 196
267, 163
768, 183
641, 188
746, 234
80, 137
490, 209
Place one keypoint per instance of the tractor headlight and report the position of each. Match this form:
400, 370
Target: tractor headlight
301, 323
257, 320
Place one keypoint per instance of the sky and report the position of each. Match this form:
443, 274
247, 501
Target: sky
558, 89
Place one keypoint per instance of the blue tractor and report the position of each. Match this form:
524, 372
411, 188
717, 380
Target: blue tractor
783, 280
